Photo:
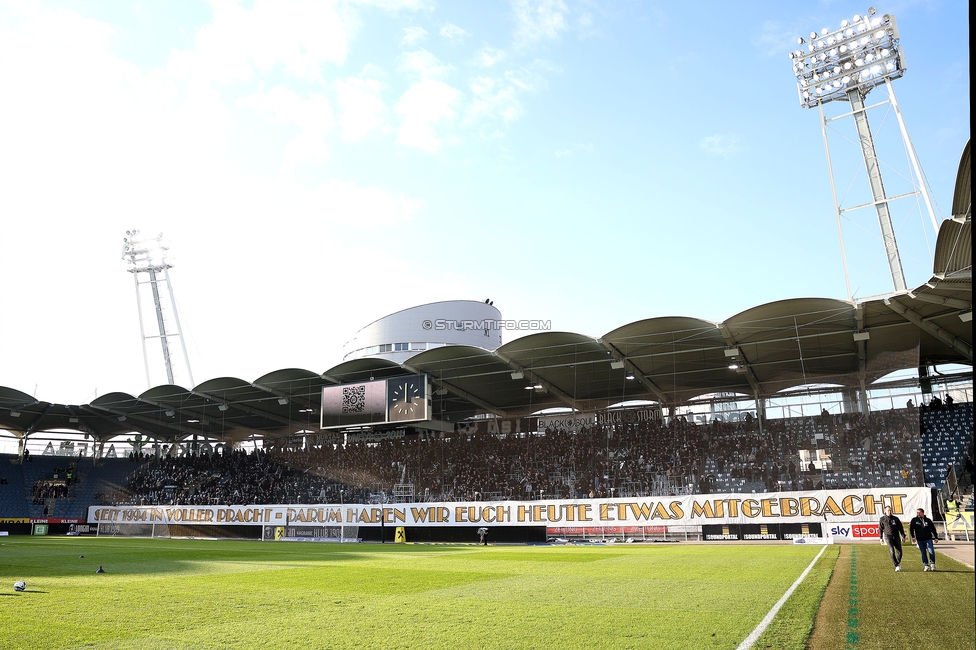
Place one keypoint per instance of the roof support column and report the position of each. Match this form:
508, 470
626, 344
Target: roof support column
929, 328
560, 395
750, 375
653, 388
862, 355
760, 411
137, 421
941, 300
288, 422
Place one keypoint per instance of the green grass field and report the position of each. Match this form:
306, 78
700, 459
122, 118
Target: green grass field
209, 594
870, 607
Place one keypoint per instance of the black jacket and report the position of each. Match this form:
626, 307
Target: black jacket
922, 528
891, 527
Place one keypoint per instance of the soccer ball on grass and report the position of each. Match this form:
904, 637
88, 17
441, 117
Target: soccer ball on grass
20, 585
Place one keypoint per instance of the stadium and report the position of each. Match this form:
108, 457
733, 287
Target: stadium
647, 434
675, 482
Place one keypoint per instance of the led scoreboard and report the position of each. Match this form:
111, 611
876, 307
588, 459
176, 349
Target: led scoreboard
383, 401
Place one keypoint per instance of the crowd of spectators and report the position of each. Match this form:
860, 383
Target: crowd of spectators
48, 490
235, 477
863, 451
643, 459
57, 486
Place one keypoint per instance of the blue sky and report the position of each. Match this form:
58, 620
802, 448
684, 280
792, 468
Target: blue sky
315, 166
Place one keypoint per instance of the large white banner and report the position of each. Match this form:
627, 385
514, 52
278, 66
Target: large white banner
828, 506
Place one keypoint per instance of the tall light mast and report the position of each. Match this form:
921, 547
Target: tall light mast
146, 258
846, 64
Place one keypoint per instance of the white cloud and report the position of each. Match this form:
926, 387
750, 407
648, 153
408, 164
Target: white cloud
453, 33
492, 98
424, 64
571, 150
721, 144
312, 116
538, 20
413, 35
362, 109
426, 110
776, 39
489, 56
284, 105
361, 207
61, 27
394, 6
585, 21
497, 97
426, 106
300, 36
591, 15
529, 79
97, 126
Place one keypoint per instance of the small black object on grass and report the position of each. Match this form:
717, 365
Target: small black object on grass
100, 569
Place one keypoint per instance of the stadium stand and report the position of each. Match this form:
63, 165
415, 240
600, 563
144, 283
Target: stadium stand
45, 483
643, 459
947, 437
904, 447
39, 488
13, 501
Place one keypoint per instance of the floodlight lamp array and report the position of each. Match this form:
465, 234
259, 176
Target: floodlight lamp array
864, 53
144, 252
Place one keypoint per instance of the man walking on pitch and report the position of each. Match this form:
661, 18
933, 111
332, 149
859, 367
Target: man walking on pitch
892, 534
924, 534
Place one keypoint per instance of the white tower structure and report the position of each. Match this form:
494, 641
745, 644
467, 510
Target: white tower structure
846, 64
146, 258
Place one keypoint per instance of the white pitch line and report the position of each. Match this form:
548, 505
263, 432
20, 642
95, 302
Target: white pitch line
763, 624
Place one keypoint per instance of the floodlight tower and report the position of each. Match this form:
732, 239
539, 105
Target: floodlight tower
846, 64
146, 256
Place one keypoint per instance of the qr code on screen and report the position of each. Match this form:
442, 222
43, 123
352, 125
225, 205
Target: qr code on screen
353, 399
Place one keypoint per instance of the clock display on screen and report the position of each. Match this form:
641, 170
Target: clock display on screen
407, 398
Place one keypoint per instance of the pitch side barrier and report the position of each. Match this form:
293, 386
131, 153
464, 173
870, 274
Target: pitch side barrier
786, 510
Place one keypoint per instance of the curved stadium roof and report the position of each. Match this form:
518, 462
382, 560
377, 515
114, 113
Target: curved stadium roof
672, 360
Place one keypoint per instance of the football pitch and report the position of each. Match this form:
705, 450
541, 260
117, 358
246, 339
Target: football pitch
179, 593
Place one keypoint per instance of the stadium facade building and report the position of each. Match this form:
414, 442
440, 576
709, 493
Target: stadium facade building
402, 334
